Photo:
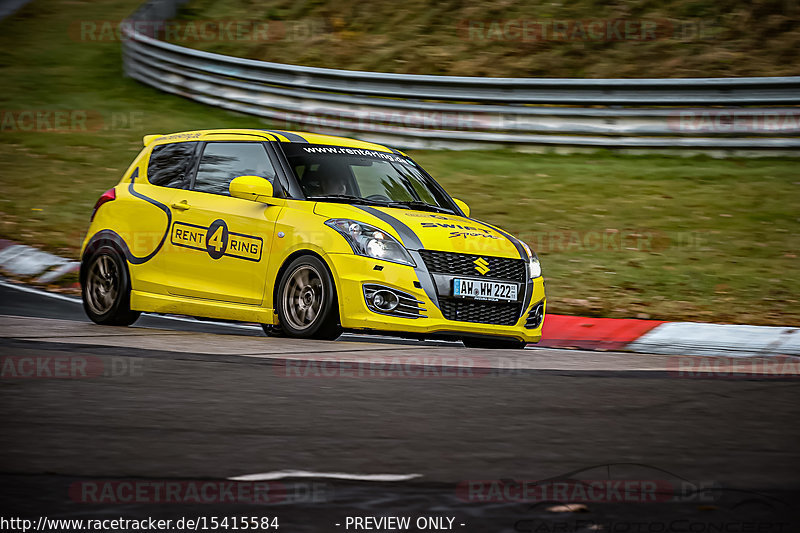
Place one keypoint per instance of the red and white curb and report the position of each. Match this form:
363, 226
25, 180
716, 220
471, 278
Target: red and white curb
560, 331
669, 338
694, 338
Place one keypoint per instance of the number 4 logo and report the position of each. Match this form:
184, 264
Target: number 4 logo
217, 239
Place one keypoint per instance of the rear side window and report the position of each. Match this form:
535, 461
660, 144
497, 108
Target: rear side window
171, 164
222, 162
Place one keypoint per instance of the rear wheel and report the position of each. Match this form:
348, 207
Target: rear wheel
106, 288
307, 306
498, 343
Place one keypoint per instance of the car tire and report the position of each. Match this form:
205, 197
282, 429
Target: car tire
307, 304
498, 343
106, 288
272, 331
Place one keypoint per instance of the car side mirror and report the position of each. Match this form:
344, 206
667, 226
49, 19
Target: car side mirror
253, 188
462, 205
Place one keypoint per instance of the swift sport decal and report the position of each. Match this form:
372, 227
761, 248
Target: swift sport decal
466, 235
451, 226
466, 231
217, 240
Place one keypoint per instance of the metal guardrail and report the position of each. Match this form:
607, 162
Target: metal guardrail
415, 111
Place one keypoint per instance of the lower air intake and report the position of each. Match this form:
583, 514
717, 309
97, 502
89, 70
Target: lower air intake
498, 313
535, 317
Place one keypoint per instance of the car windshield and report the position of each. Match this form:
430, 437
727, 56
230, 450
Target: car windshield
356, 175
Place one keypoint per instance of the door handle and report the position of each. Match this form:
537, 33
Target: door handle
183, 205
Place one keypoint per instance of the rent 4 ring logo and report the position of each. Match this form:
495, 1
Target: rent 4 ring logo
217, 240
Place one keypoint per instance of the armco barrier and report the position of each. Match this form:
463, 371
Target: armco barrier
744, 115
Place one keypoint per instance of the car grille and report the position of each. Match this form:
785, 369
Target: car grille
464, 265
498, 313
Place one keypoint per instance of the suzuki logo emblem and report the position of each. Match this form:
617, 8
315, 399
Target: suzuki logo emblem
481, 265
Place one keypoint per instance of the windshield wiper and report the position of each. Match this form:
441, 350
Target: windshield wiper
414, 204
345, 198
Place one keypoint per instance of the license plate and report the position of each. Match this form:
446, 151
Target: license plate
484, 290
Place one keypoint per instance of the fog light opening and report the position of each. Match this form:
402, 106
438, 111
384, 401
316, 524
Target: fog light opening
535, 317
385, 300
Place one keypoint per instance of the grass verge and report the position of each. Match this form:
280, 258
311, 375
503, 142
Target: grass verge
579, 38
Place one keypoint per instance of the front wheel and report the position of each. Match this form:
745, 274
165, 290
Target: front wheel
106, 288
499, 343
307, 305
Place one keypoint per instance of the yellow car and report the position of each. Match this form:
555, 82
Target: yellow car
308, 235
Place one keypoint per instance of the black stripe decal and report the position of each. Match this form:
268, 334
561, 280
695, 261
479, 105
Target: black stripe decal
132, 258
293, 137
522, 253
424, 277
407, 235
411, 241
113, 236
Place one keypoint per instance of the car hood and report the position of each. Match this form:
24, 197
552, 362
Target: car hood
427, 230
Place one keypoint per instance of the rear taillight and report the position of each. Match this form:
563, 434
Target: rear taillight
110, 194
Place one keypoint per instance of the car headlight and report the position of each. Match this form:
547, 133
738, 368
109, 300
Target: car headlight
534, 266
370, 241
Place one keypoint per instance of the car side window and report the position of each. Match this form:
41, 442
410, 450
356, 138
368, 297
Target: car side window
171, 164
224, 161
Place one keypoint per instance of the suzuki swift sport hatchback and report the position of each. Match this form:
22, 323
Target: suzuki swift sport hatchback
308, 235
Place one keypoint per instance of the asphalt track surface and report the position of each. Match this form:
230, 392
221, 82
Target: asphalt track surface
189, 401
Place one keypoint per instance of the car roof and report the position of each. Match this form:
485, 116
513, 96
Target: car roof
301, 137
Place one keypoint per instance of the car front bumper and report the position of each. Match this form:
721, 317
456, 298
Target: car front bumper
352, 272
